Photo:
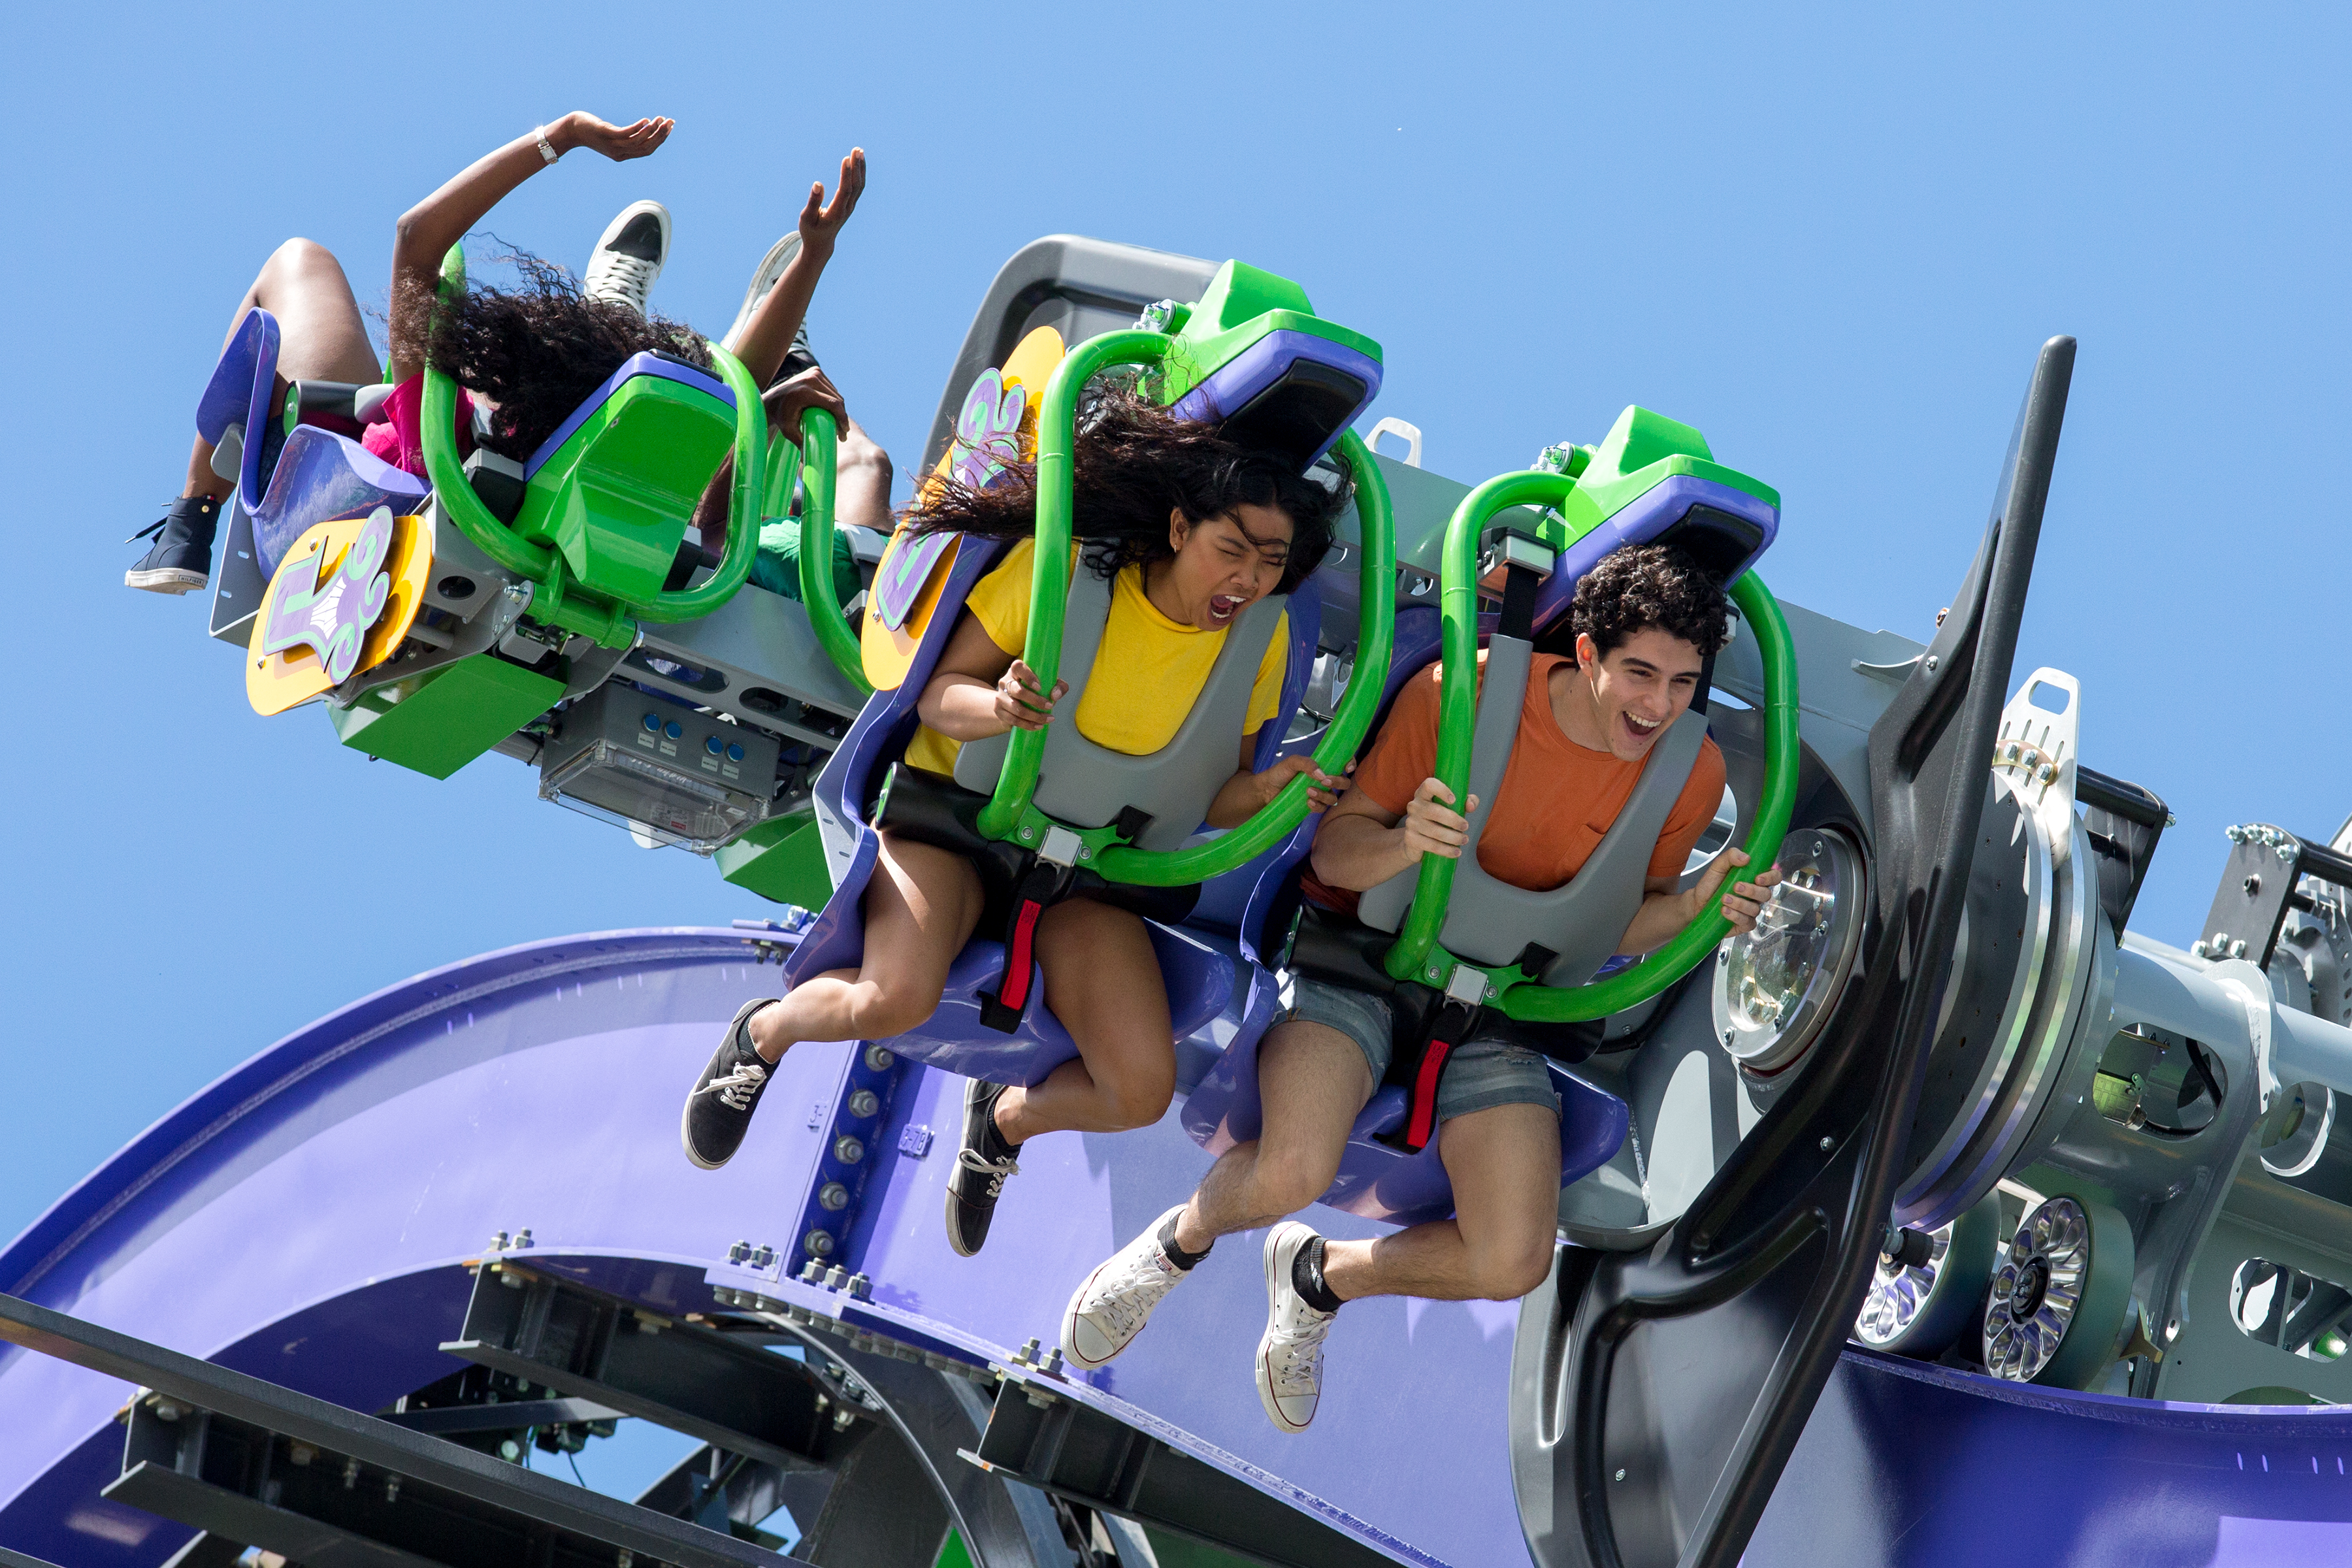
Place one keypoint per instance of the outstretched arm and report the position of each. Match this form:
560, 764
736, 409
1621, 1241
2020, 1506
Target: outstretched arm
427, 230
768, 335
1665, 911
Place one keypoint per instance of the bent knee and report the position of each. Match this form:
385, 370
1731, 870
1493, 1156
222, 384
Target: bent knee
1139, 1106
1507, 1275
882, 1013
1292, 1181
299, 254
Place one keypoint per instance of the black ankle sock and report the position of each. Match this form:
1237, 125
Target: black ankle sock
1307, 1277
1174, 1253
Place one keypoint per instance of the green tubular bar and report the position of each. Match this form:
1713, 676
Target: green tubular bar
1049, 580
1458, 608
1375, 639
553, 600
1534, 1003
818, 447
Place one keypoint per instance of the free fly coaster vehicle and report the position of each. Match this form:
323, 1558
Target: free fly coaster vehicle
1944, 1182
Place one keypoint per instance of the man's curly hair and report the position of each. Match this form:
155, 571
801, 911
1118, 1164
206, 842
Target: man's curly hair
1641, 585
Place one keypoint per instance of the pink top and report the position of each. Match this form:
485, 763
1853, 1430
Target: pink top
396, 438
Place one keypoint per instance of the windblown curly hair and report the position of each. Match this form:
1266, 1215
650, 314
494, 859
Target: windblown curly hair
1133, 463
537, 351
1640, 585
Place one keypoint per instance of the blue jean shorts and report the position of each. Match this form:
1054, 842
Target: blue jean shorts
1482, 1074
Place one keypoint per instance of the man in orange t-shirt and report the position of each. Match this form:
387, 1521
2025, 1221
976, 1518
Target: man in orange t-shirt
1646, 620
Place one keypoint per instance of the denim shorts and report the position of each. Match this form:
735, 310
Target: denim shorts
1482, 1074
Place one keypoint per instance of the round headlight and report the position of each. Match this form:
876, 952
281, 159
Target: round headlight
1774, 984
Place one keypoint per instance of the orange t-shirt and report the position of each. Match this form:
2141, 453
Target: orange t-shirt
1556, 801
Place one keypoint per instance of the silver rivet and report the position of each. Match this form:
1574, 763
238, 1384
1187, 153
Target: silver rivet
1827, 1145
1932, 661
832, 1196
1620, 1475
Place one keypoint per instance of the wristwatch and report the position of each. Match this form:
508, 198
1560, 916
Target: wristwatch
546, 148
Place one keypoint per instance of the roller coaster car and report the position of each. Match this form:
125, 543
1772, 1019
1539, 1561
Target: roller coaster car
1044, 817
553, 609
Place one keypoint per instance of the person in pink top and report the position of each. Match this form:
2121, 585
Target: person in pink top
533, 354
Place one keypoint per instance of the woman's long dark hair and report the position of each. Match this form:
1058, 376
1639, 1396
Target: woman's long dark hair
538, 350
1133, 463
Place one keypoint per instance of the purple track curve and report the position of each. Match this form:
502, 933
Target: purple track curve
307, 1219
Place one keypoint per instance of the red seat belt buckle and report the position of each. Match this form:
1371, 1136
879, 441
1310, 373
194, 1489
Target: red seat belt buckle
1421, 1123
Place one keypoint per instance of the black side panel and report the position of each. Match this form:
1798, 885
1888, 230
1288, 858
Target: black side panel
1656, 1396
1080, 288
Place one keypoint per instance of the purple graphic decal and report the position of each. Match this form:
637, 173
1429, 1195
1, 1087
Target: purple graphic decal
988, 431
331, 618
900, 581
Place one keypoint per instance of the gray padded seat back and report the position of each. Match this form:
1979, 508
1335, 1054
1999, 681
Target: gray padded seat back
1088, 785
1490, 921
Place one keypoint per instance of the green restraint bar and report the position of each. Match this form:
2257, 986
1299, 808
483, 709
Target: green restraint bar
815, 455
1416, 951
1010, 811
558, 596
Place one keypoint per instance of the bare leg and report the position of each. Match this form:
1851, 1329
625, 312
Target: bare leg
321, 336
1103, 982
861, 476
1504, 1163
920, 909
1312, 1081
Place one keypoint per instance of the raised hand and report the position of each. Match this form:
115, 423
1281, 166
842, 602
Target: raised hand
1431, 825
820, 221
1019, 705
1322, 794
618, 142
1745, 900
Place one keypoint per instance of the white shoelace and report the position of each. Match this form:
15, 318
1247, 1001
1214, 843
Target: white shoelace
1294, 1355
736, 1089
1124, 1296
995, 1169
620, 278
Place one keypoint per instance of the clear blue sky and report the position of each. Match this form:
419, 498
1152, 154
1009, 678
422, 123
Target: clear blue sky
1830, 242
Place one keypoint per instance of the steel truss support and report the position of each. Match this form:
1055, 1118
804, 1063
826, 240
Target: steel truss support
1092, 1459
243, 1458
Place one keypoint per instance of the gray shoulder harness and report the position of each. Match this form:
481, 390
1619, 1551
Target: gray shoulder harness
1489, 921
1088, 785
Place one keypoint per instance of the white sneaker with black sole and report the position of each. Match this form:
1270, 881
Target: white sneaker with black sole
626, 260
1112, 1304
1290, 1354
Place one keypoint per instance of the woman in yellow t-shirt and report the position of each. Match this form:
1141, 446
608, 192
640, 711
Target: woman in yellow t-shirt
1191, 528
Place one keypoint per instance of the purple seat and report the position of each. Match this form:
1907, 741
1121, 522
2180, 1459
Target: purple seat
317, 475
1202, 968
1290, 392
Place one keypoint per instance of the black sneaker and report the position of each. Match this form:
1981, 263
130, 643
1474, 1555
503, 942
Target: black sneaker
182, 560
981, 1165
629, 256
719, 1112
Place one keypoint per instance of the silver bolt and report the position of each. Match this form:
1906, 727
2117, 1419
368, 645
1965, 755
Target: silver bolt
1727, 1037
1027, 1353
300, 1453
832, 1196
2234, 834
2047, 773
836, 1277
392, 1489
510, 1450
865, 1104
522, 1237
848, 1150
1027, 834
2286, 851
1620, 1475
818, 1243
1827, 1145
879, 1059
2197, 949
738, 1251
861, 1286
497, 1241
1933, 660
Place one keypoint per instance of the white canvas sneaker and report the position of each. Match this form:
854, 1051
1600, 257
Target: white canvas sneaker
626, 260
1290, 1355
1111, 1306
763, 277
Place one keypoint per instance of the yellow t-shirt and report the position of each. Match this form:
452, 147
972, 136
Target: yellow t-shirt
1147, 674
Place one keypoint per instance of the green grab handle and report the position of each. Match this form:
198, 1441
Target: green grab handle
447, 474
783, 472
1531, 1003
1375, 641
749, 488
1049, 577
1458, 689
825, 612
